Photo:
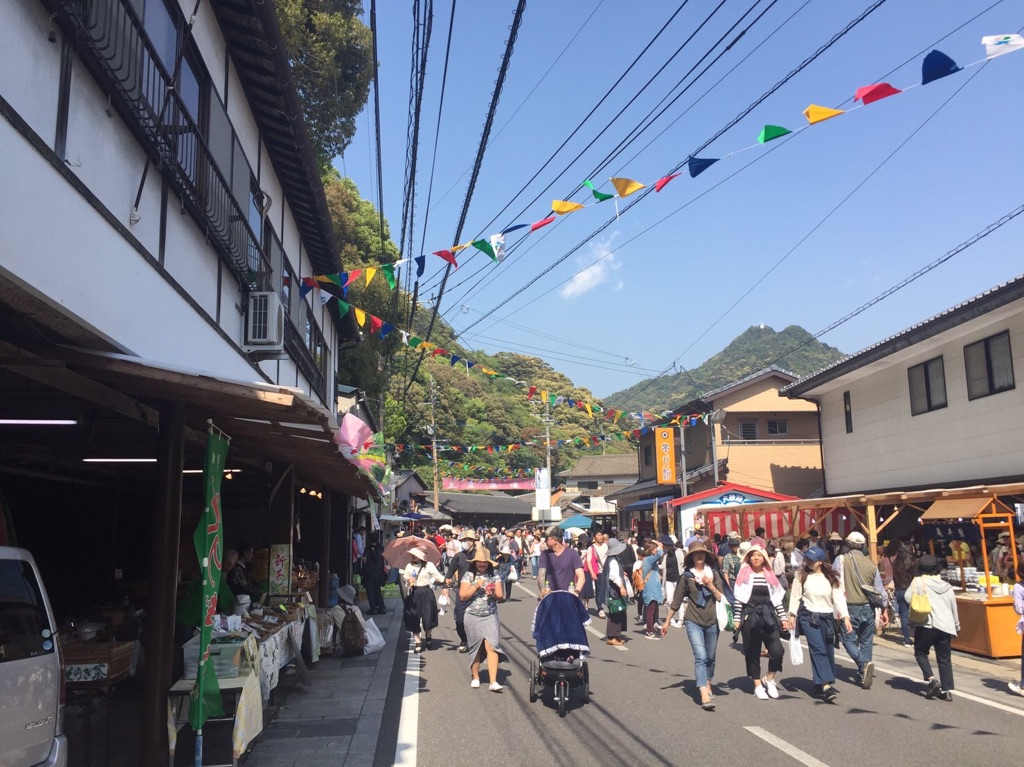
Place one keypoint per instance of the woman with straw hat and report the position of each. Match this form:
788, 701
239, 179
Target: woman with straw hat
702, 587
758, 608
419, 576
481, 590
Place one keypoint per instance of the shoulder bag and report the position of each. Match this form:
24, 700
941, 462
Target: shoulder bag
920, 605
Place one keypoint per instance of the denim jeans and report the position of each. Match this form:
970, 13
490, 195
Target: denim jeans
860, 641
704, 641
534, 563
903, 609
819, 643
601, 590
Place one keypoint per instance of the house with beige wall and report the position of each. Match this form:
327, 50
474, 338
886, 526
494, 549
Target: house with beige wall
935, 405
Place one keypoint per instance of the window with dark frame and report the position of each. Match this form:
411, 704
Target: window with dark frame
647, 455
748, 430
989, 366
927, 386
778, 428
848, 412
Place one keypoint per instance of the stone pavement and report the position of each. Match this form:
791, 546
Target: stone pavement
341, 715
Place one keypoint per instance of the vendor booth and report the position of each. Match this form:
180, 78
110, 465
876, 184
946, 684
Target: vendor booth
987, 618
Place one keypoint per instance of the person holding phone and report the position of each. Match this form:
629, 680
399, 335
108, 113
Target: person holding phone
480, 590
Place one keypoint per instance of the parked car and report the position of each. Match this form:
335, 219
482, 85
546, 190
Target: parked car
31, 677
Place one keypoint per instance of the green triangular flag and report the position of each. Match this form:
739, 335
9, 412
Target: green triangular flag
771, 132
414, 341
389, 274
485, 247
343, 308
599, 196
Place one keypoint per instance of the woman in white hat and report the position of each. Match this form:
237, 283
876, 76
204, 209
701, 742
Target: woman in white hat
480, 590
419, 576
759, 611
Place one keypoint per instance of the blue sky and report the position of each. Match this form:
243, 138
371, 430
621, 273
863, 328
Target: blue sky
751, 240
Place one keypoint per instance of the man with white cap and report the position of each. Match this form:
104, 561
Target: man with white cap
459, 565
861, 583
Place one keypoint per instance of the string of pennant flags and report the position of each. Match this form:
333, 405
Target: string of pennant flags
935, 66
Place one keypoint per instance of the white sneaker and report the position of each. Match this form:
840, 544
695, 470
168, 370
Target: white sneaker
474, 683
771, 687
495, 687
1017, 688
760, 692
677, 624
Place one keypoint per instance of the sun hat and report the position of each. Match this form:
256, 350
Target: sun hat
744, 548
696, 547
856, 538
733, 536
755, 548
815, 554
494, 530
834, 536
929, 564
615, 547
347, 594
419, 553
1003, 534
468, 535
482, 555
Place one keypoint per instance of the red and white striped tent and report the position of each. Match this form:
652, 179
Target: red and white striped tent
722, 512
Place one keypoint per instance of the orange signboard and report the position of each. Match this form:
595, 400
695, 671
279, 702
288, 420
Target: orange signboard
665, 448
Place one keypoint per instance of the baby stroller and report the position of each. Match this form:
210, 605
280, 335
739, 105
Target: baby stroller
558, 629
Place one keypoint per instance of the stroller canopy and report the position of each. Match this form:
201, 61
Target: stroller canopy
558, 624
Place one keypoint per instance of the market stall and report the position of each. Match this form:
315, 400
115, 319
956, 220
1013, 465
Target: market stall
987, 619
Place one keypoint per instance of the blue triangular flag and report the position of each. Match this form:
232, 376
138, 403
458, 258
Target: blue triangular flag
421, 264
513, 228
937, 65
455, 358
698, 165
386, 328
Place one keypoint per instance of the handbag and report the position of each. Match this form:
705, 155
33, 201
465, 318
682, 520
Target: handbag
920, 606
875, 599
513, 574
723, 611
796, 650
616, 605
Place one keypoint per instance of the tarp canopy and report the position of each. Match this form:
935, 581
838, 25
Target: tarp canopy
958, 508
577, 520
648, 503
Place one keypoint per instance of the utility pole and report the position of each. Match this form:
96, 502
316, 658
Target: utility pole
433, 442
547, 432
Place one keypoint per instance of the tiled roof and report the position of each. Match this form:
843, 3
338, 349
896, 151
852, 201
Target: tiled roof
487, 504
755, 376
610, 466
983, 303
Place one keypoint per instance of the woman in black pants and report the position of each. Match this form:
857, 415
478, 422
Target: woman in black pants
759, 612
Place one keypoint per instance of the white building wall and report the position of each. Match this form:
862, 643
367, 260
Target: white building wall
967, 441
31, 86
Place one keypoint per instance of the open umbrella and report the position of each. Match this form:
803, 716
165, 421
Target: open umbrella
396, 553
574, 531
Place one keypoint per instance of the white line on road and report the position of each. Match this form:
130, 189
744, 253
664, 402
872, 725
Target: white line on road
409, 723
787, 748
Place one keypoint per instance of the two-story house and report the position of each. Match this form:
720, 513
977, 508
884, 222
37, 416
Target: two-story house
593, 477
162, 202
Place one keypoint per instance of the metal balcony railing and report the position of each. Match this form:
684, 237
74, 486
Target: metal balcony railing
297, 350
111, 42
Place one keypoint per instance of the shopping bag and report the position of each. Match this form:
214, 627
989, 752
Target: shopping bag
724, 612
796, 650
442, 601
374, 639
920, 606
513, 574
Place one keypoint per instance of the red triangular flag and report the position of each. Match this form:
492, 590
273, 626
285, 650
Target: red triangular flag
539, 224
876, 92
352, 277
660, 183
448, 256
376, 323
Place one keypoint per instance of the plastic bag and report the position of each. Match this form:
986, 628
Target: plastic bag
724, 612
442, 601
513, 574
796, 650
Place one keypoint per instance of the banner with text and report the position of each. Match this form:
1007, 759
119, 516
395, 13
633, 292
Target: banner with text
665, 447
451, 483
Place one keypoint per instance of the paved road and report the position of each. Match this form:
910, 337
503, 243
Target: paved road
642, 710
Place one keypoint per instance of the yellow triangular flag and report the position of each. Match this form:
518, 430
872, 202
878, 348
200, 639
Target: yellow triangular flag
626, 186
360, 315
817, 114
457, 248
561, 207
370, 271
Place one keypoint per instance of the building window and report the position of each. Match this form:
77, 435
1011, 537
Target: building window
848, 412
647, 455
778, 428
927, 386
748, 430
587, 484
989, 366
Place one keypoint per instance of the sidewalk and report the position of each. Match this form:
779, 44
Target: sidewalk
337, 716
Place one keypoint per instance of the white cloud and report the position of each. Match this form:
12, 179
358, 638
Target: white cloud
595, 269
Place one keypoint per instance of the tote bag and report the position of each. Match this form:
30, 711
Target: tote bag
920, 605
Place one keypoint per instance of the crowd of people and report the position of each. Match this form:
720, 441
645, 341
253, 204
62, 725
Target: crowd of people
829, 591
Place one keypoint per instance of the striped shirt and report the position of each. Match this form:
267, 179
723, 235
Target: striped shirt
758, 595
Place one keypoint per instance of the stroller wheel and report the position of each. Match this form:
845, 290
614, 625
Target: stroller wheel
562, 695
533, 682
586, 683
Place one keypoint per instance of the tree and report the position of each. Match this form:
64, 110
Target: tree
331, 54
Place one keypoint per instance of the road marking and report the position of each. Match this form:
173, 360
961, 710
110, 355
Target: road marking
589, 627
408, 725
787, 748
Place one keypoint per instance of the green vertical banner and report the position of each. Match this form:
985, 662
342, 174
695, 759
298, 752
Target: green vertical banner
205, 700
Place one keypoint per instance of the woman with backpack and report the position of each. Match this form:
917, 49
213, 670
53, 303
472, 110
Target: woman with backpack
934, 628
701, 587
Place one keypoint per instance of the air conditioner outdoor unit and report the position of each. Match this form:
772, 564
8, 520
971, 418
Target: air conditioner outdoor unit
264, 323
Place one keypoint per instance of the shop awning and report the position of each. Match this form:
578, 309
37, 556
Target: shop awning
957, 508
648, 503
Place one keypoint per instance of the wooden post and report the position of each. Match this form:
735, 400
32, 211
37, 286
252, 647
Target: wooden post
323, 583
872, 533
153, 746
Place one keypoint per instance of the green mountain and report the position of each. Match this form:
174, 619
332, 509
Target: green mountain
793, 349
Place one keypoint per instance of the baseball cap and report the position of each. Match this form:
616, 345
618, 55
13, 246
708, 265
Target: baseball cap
856, 538
815, 554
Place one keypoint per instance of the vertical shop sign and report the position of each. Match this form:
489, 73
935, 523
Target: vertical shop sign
665, 450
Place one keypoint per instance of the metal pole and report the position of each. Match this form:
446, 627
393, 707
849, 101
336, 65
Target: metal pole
682, 461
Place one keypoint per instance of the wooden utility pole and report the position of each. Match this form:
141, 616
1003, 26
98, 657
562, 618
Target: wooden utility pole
433, 442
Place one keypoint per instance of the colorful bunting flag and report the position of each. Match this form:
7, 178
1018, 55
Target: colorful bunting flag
360, 315
542, 223
385, 329
421, 264
937, 65
388, 271
876, 92
498, 245
626, 186
447, 255
997, 45
343, 307
816, 114
513, 228
697, 165
562, 207
484, 246
771, 132
661, 182
352, 277
457, 248
370, 273
376, 323
599, 196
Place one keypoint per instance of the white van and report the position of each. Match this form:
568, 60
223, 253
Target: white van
31, 678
